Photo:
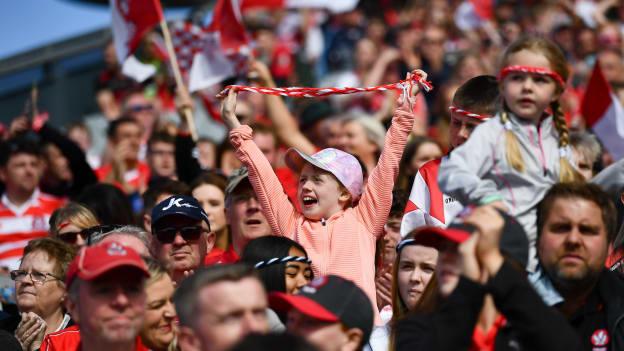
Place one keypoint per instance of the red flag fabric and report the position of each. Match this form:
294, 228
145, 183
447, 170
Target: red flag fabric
427, 205
227, 21
484, 8
131, 20
603, 113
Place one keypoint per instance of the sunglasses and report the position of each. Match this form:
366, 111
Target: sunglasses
72, 237
168, 235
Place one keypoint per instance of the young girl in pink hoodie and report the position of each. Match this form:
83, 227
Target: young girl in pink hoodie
338, 236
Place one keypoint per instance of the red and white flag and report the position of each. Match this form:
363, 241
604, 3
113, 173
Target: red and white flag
603, 113
132, 19
335, 6
427, 205
209, 55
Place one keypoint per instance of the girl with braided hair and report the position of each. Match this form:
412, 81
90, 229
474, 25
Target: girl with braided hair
512, 160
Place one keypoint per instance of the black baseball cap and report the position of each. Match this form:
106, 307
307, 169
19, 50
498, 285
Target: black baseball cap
330, 299
181, 205
514, 241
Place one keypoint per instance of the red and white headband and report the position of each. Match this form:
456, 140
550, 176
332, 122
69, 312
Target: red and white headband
468, 113
532, 70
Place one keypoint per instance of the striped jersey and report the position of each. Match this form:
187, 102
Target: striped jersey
20, 224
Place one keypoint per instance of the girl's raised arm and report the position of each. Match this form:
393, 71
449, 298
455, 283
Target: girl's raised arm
278, 210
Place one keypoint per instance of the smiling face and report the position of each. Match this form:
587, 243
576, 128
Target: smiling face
573, 244
22, 173
111, 308
416, 267
319, 193
158, 328
527, 95
298, 274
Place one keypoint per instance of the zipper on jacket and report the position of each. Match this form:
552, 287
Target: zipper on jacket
543, 156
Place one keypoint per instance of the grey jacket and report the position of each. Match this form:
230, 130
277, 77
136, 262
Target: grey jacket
478, 172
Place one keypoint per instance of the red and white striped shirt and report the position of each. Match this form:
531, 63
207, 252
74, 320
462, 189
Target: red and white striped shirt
20, 224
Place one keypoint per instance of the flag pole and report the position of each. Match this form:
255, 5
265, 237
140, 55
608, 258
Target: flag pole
186, 110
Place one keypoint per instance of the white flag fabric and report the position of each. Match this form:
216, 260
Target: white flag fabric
603, 113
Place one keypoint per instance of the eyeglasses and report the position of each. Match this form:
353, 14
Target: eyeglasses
167, 235
36, 277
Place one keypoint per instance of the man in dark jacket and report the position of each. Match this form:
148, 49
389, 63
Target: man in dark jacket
576, 223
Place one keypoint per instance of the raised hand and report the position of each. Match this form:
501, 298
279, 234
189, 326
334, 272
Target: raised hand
407, 98
260, 72
489, 224
228, 109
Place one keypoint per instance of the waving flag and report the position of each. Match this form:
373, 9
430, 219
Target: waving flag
603, 113
427, 205
132, 19
209, 55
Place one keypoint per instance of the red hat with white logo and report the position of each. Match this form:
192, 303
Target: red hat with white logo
94, 261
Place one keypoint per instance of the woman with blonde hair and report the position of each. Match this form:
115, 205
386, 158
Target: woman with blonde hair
159, 332
69, 223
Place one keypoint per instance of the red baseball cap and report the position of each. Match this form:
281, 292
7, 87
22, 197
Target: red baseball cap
93, 261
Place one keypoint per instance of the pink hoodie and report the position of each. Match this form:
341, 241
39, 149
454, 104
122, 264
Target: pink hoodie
343, 244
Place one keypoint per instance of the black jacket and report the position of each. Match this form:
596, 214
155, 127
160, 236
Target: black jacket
187, 166
611, 291
531, 325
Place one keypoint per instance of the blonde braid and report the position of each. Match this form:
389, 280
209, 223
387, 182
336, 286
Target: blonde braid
512, 149
567, 173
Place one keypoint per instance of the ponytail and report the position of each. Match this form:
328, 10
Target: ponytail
567, 173
512, 147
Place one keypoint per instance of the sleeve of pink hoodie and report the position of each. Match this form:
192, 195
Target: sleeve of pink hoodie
376, 201
278, 210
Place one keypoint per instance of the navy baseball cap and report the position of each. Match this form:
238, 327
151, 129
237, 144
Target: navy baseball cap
181, 205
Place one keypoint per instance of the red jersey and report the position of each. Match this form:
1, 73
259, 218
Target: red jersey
137, 178
69, 340
219, 256
20, 224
